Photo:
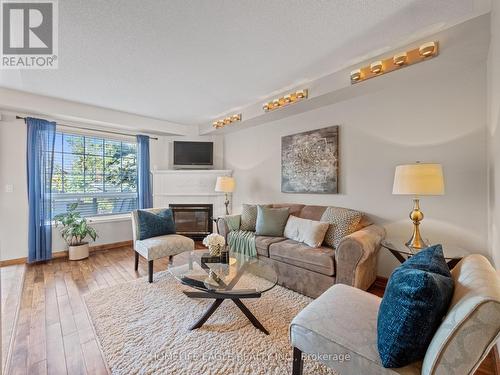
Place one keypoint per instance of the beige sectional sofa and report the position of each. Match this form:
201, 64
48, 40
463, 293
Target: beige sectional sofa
311, 271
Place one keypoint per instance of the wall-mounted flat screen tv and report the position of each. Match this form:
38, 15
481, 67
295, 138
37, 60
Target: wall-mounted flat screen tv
193, 153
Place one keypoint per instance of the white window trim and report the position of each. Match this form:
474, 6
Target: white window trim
109, 218
96, 133
106, 218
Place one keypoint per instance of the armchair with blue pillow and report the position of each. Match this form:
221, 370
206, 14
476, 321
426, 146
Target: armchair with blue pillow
154, 237
430, 321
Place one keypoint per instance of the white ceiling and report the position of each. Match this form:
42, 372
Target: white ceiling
190, 61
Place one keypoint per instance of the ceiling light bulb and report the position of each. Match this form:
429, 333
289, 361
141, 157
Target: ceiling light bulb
356, 75
376, 67
427, 49
301, 94
400, 59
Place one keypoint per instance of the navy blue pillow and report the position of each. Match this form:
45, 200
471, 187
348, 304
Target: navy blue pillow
416, 299
155, 224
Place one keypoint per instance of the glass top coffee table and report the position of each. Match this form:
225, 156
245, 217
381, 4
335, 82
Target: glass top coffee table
239, 278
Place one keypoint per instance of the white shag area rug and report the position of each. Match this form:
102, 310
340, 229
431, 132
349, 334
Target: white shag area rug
143, 328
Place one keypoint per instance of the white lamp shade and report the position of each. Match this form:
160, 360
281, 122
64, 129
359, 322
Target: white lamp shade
225, 184
419, 179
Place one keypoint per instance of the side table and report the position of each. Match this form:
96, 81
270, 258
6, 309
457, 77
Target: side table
452, 253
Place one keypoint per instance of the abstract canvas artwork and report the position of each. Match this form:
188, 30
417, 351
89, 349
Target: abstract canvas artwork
309, 161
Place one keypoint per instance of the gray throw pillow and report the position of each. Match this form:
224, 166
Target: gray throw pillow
271, 221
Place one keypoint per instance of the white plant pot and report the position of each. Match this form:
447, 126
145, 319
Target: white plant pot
79, 252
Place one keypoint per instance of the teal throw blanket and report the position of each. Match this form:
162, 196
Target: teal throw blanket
243, 242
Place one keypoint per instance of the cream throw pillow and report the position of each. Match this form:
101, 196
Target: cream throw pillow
310, 232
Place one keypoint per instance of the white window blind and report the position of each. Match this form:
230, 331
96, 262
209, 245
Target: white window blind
99, 174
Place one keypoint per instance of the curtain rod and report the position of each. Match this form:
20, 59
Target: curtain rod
95, 130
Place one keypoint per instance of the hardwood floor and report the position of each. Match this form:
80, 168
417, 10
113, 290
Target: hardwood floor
11, 281
53, 334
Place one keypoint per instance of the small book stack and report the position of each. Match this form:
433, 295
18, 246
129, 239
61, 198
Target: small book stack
207, 258
223, 258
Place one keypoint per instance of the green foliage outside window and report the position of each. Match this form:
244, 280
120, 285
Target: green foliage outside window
101, 172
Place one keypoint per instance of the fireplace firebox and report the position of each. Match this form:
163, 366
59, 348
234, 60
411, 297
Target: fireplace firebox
193, 220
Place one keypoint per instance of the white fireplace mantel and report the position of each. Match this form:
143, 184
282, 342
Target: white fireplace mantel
188, 186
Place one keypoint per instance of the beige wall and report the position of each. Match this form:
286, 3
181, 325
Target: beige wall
432, 118
13, 206
494, 134
162, 154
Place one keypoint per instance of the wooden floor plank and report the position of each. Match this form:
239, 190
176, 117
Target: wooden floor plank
96, 272
66, 319
19, 355
39, 368
36, 349
11, 283
59, 281
54, 335
93, 358
74, 293
56, 359
86, 270
75, 364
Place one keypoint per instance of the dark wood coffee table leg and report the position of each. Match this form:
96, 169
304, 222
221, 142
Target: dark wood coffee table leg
207, 314
250, 316
235, 298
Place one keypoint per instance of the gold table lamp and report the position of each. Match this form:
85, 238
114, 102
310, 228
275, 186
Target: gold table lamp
225, 184
418, 179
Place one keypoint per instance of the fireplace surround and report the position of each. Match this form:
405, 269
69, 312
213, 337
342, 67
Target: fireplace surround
193, 220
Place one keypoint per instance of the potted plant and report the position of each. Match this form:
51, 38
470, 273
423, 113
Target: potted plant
74, 230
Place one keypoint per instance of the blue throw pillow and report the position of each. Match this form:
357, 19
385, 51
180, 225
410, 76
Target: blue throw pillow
154, 224
416, 299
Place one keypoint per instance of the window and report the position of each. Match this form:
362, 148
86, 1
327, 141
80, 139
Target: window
98, 173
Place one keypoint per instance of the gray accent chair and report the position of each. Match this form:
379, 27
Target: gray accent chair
343, 320
157, 247
311, 271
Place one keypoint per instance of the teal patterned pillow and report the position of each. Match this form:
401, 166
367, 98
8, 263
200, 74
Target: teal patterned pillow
154, 224
416, 299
